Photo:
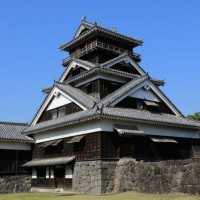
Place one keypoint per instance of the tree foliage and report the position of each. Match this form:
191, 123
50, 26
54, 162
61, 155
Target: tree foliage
195, 116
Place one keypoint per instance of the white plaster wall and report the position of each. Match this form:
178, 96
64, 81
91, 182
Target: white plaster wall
68, 132
15, 145
107, 125
58, 101
145, 94
163, 130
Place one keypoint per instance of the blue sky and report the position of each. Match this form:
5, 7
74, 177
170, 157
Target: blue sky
31, 32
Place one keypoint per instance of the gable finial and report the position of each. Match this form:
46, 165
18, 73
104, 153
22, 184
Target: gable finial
114, 29
84, 18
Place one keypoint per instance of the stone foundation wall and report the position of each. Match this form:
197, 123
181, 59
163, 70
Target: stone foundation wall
11, 184
87, 177
158, 177
99, 177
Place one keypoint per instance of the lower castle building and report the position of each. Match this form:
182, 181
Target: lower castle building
103, 112
15, 150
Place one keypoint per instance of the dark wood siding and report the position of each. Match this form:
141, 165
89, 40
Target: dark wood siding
11, 161
109, 145
136, 103
100, 87
74, 72
42, 152
59, 112
90, 151
125, 68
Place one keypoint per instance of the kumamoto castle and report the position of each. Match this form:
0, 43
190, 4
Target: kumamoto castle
105, 126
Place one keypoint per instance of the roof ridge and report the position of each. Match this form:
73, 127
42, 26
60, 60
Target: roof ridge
70, 59
103, 101
113, 59
128, 75
89, 98
14, 123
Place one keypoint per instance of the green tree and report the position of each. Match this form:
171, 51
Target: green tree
195, 116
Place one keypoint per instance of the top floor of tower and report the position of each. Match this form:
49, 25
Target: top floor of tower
96, 44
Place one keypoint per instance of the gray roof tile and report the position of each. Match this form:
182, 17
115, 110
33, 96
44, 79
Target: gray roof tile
62, 121
49, 161
145, 116
13, 131
97, 28
77, 94
114, 113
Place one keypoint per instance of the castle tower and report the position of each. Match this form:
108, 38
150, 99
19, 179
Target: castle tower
103, 109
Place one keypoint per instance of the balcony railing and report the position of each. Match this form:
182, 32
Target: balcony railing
101, 45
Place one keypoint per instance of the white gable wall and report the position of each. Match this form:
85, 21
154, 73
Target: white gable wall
58, 101
49, 98
145, 94
73, 64
156, 92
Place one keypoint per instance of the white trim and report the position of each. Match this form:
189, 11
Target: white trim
47, 172
108, 126
51, 173
73, 64
91, 127
128, 59
34, 174
155, 90
81, 28
15, 145
158, 130
68, 172
50, 96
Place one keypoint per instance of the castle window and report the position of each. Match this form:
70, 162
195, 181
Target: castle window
54, 113
80, 145
78, 141
62, 111
54, 147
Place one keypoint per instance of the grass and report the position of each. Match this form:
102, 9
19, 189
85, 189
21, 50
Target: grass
121, 196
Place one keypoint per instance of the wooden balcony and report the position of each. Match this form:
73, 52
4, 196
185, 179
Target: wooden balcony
104, 46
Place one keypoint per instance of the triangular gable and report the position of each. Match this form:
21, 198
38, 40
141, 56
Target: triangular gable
126, 58
58, 101
143, 93
84, 26
75, 63
154, 92
50, 101
132, 87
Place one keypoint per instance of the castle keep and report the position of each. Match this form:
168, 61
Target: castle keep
105, 112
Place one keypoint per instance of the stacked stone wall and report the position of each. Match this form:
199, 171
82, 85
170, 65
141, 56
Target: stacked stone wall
11, 184
100, 177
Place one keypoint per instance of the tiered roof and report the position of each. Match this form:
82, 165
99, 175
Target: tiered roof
104, 108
